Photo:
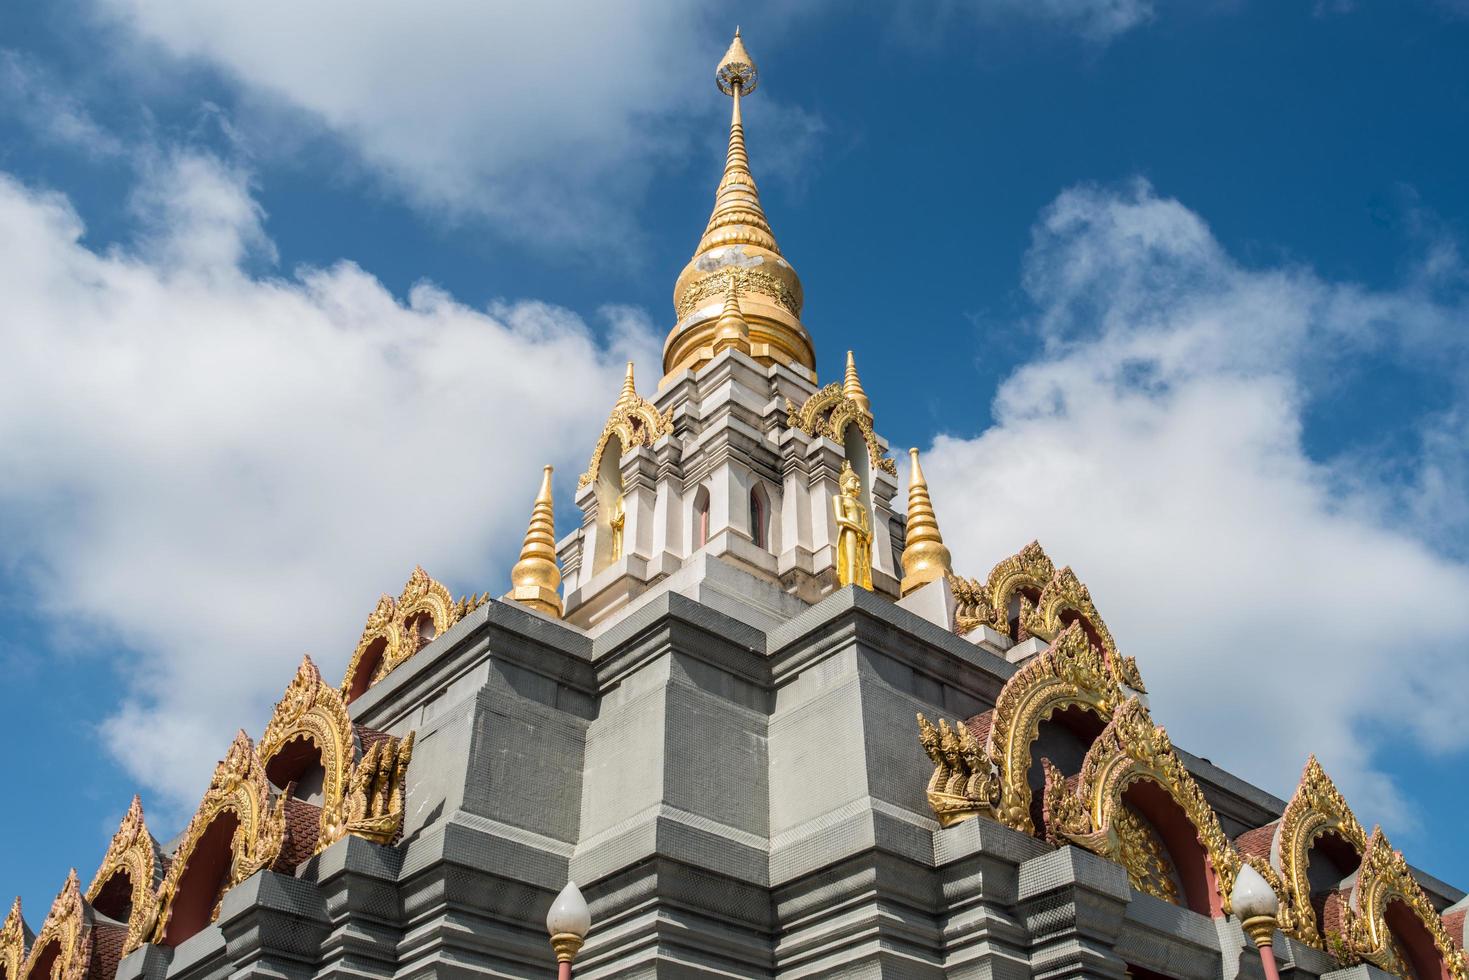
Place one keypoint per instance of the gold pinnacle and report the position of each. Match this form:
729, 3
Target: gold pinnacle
925, 558
852, 387
732, 330
737, 216
536, 578
629, 388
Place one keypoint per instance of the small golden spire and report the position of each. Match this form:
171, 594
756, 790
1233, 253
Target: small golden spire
536, 578
732, 330
925, 558
629, 388
852, 387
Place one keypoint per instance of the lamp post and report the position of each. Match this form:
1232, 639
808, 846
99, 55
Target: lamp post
1257, 906
568, 922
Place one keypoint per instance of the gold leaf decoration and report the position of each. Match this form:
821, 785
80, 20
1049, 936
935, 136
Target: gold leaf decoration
963, 782
134, 853
396, 630
1316, 808
1131, 748
1383, 879
374, 803
239, 787
68, 931
827, 414
13, 942
635, 421
1069, 673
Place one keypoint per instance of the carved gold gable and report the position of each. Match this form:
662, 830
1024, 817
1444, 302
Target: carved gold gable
68, 929
1385, 878
828, 413
134, 853
239, 786
13, 943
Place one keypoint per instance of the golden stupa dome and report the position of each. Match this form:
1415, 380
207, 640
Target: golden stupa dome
738, 255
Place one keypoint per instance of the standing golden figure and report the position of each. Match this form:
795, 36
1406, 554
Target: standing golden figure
617, 522
854, 532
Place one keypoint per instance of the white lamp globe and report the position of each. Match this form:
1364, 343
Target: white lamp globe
1252, 896
569, 913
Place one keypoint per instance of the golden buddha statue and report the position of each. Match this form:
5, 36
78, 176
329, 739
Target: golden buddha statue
617, 521
854, 532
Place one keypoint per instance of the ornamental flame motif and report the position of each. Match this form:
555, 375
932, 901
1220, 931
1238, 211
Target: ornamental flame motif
133, 853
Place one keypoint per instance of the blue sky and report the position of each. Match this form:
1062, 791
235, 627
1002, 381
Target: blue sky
1178, 288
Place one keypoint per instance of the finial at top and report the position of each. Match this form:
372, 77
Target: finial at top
629, 388
852, 387
736, 69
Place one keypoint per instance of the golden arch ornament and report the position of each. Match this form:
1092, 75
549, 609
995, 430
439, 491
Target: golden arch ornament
1064, 595
635, 421
1071, 672
1131, 748
1385, 878
239, 786
1315, 809
13, 943
394, 624
1030, 568
68, 927
362, 796
827, 414
132, 852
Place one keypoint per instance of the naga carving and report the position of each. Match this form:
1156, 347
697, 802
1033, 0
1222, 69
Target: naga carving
1316, 808
132, 853
972, 605
828, 413
964, 781
65, 937
1071, 672
373, 807
1383, 879
1131, 748
395, 629
13, 943
239, 787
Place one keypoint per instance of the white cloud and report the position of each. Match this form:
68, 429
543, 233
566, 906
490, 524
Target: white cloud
222, 471
547, 118
1095, 20
38, 101
1277, 604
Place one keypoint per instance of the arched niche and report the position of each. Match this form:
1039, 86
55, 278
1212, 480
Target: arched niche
1391, 923
206, 877
611, 509
307, 747
1062, 739
760, 518
699, 519
236, 831
1132, 776
1069, 675
1318, 846
124, 889
856, 450
1014, 587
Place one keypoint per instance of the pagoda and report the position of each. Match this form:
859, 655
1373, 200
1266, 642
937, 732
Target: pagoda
749, 707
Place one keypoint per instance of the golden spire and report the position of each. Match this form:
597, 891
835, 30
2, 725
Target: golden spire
732, 330
629, 388
737, 215
925, 558
738, 246
852, 387
536, 577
